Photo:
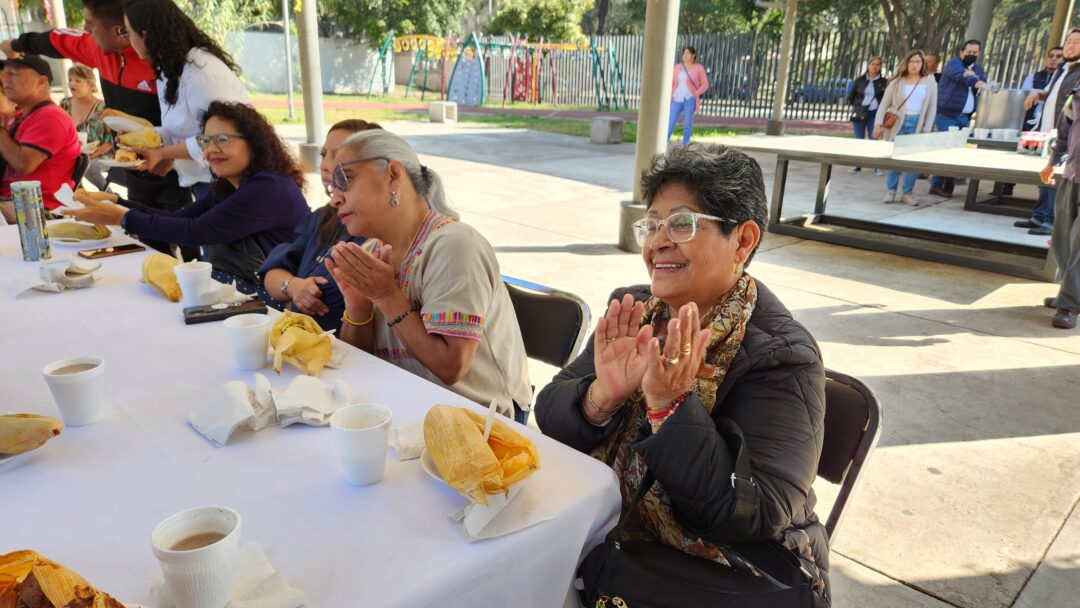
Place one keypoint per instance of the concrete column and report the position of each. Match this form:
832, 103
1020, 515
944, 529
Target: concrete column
1062, 11
657, 65
59, 21
285, 22
982, 12
775, 126
307, 33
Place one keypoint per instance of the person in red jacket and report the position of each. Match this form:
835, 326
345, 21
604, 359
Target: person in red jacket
128, 84
688, 82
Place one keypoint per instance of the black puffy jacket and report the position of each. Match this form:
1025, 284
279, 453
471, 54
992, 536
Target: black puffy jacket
774, 390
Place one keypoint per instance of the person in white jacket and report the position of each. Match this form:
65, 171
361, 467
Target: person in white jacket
192, 71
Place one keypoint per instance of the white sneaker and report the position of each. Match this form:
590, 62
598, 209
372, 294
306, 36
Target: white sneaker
890, 196
854, 170
907, 199
879, 172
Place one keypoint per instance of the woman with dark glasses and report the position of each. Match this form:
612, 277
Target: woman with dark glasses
254, 204
192, 71
697, 375
425, 292
294, 275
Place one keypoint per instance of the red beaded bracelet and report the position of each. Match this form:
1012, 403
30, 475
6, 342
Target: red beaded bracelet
667, 410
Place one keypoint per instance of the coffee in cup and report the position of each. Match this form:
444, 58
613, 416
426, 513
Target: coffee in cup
78, 388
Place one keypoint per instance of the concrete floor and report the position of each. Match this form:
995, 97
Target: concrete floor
971, 497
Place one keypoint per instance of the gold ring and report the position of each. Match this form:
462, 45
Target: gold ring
609, 340
671, 360
686, 350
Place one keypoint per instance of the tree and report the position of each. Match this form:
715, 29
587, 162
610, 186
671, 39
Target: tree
552, 20
215, 17
373, 19
922, 24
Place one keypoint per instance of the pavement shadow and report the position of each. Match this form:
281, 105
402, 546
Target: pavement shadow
590, 249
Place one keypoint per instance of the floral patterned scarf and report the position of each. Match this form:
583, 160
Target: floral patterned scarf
727, 320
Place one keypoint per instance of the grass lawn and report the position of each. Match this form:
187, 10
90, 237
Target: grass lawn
277, 114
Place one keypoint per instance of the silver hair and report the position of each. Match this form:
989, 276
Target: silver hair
726, 183
426, 182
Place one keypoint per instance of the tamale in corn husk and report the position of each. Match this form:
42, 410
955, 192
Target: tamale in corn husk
25, 432
29, 580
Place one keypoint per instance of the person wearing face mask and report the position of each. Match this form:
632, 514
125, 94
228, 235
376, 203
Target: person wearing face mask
961, 81
1052, 99
864, 98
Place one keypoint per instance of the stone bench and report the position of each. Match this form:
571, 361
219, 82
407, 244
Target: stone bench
606, 130
442, 111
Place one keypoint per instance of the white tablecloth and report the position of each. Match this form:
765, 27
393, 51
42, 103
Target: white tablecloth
90, 498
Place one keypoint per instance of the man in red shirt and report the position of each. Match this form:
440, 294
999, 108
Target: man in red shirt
128, 83
42, 145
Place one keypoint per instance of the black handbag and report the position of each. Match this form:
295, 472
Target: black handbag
860, 113
647, 574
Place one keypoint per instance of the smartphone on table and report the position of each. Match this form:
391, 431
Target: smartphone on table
218, 312
104, 252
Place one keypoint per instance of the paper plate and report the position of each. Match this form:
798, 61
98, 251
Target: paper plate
70, 242
429, 465
108, 162
121, 124
5, 461
90, 147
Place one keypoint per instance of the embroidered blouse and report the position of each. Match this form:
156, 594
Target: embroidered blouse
91, 124
450, 273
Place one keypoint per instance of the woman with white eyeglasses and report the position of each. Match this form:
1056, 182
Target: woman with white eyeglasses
254, 204
193, 70
700, 369
294, 275
424, 292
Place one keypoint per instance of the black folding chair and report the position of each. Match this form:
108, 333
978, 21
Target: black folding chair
553, 323
81, 165
852, 428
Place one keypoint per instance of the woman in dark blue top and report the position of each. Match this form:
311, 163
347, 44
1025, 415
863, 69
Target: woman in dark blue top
294, 275
255, 201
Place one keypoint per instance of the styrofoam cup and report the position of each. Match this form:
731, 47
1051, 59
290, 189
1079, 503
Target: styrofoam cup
204, 577
79, 396
361, 432
249, 337
195, 283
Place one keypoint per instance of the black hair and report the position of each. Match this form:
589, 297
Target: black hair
692, 50
968, 43
170, 35
268, 152
109, 12
726, 183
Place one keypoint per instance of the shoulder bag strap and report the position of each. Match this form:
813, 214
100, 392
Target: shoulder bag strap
904, 103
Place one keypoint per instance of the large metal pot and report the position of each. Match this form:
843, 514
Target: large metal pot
1001, 110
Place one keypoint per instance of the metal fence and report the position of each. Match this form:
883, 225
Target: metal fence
742, 69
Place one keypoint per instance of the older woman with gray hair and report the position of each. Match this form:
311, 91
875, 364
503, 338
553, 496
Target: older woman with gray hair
424, 292
697, 372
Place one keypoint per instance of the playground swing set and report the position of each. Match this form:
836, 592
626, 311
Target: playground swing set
530, 67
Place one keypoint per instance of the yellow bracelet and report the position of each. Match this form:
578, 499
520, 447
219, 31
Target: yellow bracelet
345, 317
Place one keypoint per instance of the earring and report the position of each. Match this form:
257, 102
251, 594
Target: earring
393, 199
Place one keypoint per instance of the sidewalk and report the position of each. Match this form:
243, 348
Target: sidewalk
970, 499
826, 126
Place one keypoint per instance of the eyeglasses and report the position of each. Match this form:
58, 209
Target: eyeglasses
221, 139
681, 227
339, 181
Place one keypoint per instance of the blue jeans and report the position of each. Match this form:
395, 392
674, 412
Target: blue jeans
686, 108
1043, 213
911, 122
521, 416
942, 123
865, 130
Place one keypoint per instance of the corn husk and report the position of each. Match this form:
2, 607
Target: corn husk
297, 339
83, 195
28, 574
77, 230
157, 272
477, 469
24, 432
147, 138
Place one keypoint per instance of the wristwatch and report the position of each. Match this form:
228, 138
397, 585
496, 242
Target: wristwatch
285, 287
